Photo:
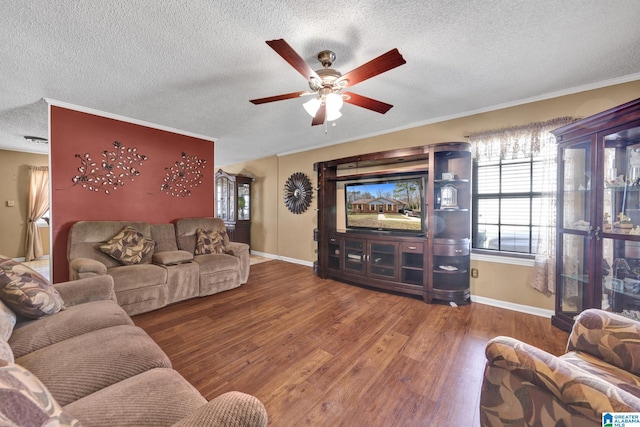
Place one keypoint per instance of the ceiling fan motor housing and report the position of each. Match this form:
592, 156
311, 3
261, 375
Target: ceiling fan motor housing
326, 58
328, 77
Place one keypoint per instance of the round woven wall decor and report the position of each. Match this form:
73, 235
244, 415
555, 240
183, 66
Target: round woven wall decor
297, 193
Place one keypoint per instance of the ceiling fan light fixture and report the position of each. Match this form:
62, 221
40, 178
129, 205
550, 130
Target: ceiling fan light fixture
311, 106
333, 103
333, 115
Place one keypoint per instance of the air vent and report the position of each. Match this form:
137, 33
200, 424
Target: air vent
36, 139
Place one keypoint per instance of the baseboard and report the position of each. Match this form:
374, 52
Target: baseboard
264, 254
283, 258
22, 259
536, 311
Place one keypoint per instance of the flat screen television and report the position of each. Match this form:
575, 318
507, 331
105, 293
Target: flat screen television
392, 204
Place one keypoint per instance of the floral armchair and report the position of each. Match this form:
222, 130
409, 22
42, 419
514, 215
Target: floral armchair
599, 373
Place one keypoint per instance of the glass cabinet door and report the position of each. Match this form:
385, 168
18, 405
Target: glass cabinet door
232, 197
575, 229
620, 291
244, 201
382, 259
222, 202
354, 255
576, 186
573, 282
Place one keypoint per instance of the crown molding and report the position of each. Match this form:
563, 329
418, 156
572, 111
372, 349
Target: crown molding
62, 104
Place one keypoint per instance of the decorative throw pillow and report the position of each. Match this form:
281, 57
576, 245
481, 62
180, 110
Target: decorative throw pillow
209, 242
26, 401
6, 353
128, 246
225, 237
26, 292
7, 321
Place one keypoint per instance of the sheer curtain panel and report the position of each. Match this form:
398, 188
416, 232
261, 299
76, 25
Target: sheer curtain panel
38, 206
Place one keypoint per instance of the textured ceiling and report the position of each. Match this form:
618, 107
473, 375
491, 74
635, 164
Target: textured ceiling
194, 65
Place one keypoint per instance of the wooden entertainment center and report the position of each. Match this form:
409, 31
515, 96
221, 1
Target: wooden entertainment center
432, 261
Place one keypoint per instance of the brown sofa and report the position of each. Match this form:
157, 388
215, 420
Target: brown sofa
170, 273
217, 271
90, 365
599, 373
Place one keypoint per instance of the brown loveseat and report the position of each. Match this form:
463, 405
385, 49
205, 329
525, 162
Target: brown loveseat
171, 272
600, 373
90, 365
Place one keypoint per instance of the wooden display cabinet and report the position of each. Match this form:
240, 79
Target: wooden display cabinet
401, 261
598, 222
233, 204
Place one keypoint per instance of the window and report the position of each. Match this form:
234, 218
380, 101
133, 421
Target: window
514, 195
514, 189
508, 197
42, 222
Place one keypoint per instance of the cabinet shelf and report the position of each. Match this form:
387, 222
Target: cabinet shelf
450, 272
451, 181
622, 188
379, 264
579, 278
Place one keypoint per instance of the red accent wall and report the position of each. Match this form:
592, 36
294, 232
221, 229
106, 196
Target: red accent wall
141, 199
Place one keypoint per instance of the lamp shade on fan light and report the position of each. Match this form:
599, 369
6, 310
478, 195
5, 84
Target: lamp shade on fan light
333, 103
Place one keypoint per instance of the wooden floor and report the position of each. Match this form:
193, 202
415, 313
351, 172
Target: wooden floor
323, 353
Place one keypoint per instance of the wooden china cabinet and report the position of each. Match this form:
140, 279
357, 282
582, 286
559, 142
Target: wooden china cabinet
598, 222
233, 204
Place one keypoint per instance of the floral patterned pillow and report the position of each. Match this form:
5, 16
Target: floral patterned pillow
26, 292
6, 353
26, 401
128, 246
7, 321
209, 242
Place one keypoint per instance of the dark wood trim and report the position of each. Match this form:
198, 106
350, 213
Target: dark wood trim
603, 121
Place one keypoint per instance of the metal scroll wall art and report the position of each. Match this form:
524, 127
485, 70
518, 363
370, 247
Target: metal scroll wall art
121, 165
116, 167
183, 176
297, 193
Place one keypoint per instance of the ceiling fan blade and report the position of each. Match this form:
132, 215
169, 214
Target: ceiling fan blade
291, 56
280, 97
368, 103
320, 115
379, 65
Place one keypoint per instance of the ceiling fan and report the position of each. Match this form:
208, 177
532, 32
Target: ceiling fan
327, 84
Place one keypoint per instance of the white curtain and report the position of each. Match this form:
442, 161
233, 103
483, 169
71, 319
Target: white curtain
522, 142
38, 206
